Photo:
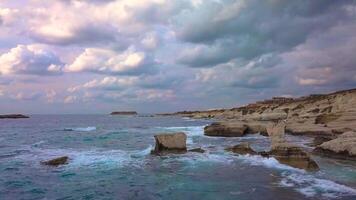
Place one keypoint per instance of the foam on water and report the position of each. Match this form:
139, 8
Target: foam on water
81, 129
300, 180
311, 186
189, 130
266, 162
95, 158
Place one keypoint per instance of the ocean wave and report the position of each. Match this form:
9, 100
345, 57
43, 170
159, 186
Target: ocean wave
81, 129
311, 186
95, 158
266, 162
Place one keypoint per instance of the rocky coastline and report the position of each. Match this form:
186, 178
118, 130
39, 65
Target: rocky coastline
124, 113
328, 118
14, 116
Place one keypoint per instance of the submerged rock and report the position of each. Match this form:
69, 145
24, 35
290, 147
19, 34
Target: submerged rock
57, 161
343, 147
170, 143
242, 148
197, 150
225, 129
13, 116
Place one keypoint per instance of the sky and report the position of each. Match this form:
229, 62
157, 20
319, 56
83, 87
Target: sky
97, 56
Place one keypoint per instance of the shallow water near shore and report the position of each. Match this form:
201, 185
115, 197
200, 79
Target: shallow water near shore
110, 159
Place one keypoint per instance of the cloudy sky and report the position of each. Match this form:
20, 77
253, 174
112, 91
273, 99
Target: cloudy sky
96, 56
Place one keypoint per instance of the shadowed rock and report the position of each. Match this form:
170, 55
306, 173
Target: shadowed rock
286, 153
197, 150
124, 113
242, 148
170, 143
343, 147
293, 156
57, 161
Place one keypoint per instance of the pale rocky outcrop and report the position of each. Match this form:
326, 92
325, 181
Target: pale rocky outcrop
225, 129
313, 115
343, 147
56, 161
170, 143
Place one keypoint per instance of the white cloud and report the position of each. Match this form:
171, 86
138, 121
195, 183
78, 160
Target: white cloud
51, 96
70, 99
30, 59
109, 62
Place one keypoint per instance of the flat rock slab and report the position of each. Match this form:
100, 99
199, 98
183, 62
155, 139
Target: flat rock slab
225, 129
170, 143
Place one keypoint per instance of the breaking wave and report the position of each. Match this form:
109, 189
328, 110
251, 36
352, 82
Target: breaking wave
81, 129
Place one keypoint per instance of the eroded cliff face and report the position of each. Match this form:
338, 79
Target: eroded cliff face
329, 114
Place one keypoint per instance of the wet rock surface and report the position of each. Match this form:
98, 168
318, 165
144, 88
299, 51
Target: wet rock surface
56, 161
242, 148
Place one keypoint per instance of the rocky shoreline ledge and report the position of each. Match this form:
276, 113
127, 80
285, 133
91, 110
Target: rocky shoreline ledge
13, 116
329, 118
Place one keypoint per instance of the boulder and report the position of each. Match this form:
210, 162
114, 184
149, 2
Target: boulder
170, 143
56, 161
225, 129
343, 147
242, 148
197, 150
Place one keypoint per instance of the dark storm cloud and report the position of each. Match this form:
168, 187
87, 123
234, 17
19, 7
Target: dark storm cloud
253, 28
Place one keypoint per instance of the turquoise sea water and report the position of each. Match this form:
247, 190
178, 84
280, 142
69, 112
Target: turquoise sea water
110, 159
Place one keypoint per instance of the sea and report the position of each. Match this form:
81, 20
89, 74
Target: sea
109, 158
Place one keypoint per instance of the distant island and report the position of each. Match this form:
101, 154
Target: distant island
13, 116
124, 113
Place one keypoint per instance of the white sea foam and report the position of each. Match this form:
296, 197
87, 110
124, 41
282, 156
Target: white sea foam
81, 129
266, 162
95, 158
311, 186
302, 181
189, 130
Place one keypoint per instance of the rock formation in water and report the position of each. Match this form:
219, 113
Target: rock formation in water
287, 153
343, 147
124, 113
56, 162
197, 150
170, 143
242, 148
13, 116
